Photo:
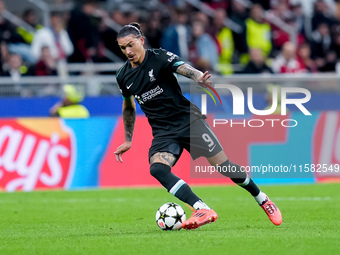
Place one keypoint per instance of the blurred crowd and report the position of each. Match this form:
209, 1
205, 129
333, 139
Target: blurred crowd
269, 36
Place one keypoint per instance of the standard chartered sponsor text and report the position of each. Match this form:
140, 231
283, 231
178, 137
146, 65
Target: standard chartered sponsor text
152, 93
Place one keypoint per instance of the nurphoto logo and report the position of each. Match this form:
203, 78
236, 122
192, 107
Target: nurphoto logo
239, 102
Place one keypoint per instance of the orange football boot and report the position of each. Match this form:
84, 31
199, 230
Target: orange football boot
200, 218
272, 211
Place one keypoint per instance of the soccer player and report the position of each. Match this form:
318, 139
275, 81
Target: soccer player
177, 124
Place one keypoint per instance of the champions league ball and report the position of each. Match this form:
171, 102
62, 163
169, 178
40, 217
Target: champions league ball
170, 216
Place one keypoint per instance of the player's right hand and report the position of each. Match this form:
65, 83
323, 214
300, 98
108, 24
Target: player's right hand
122, 149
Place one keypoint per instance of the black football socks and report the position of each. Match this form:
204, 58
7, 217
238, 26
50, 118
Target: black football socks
239, 176
174, 184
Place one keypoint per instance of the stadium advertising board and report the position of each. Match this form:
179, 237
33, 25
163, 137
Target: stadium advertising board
35, 154
274, 154
51, 153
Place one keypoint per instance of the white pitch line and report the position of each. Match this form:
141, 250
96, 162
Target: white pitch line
70, 200
304, 198
124, 200
314, 199
77, 200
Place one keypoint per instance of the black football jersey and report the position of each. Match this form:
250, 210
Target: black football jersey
156, 89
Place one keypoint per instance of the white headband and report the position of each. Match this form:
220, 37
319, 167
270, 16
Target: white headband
134, 28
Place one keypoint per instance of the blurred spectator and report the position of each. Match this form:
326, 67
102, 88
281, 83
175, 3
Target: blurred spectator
15, 69
176, 37
108, 36
280, 9
300, 19
83, 32
337, 9
225, 41
257, 63
122, 14
336, 43
258, 31
203, 52
304, 58
265, 4
308, 5
70, 105
4, 53
6, 29
22, 46
217, 4
1, 60
321, 43
239, 14
322, 14
29, 17
329, 62
280, 36
55, 38
46, 65
153, 30
187, 35
286, 62
14, 41
201, 16
143, 20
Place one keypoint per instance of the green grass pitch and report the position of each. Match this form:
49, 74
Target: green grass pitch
122, 221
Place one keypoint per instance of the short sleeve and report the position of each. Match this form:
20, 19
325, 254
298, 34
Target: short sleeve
170, 60
123, 90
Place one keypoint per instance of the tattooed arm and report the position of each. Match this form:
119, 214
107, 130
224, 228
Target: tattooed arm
194, 74
189, 72
129, 118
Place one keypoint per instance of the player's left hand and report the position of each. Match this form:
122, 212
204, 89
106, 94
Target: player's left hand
122, 149
204, 79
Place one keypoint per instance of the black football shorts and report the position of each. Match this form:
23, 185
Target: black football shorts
197, 138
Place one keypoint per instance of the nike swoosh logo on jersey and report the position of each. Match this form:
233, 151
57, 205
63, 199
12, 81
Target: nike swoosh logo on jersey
210, 150
129, 86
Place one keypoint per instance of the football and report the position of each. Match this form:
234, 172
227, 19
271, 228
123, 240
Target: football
170, 216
